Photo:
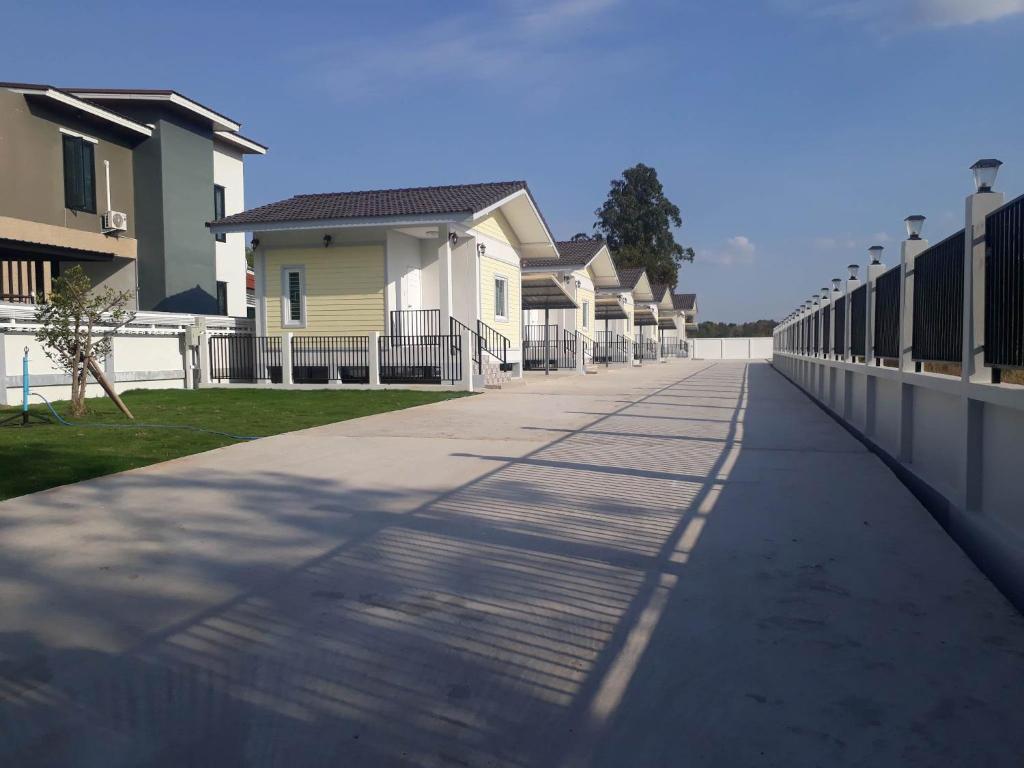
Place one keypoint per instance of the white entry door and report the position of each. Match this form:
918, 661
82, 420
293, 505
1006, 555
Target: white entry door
411, 288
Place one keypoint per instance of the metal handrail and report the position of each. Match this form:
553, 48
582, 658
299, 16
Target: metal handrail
494, 343
456, 327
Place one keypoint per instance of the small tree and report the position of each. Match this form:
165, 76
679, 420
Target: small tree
77, 326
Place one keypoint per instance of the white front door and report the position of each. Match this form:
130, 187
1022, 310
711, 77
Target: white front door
411, 288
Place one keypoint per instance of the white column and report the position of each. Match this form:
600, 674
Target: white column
852, 284
286, 358
580, 367
468, 366
204, 357
909, 251
874, 270
444, 278
260, 290
3, 369
978, 206
373, 358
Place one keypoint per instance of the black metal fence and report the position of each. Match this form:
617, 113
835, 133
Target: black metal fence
538, 347
323, 359
420, 359
645, 349
887, 314
610, 347
1004, 286
816, 332
244, 358
407, 323
673, 348
858, 318
839, 347
939, 301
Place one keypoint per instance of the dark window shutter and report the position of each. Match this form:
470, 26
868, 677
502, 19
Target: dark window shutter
88, 176
73, 173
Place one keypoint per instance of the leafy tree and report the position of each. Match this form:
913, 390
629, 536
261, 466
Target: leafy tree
77, 326
637, 221
584, 236
712, 330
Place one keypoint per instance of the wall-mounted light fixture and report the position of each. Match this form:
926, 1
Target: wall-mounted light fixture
327, 240
915, 225
481, 248
453, 238
254, 243
852, 268
985, 172
875, 251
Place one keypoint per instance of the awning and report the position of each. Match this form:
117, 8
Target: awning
644, 316
666, 322
545, 292
609, 308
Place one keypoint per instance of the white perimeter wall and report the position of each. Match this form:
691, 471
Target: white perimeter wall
956, 444
756, 348
230, 255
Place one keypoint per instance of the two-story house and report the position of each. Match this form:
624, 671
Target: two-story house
121, 182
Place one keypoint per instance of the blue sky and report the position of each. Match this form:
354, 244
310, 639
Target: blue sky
792, 133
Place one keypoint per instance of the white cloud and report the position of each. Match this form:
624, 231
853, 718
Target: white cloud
505, 41
736, 250
835, 243
937, 13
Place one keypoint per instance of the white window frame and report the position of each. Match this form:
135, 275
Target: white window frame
586, 315
498, 315
286, 306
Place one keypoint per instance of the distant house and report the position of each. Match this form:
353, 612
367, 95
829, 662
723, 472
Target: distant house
121, 182
402, 262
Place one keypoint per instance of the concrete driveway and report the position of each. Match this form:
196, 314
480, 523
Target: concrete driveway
684, 565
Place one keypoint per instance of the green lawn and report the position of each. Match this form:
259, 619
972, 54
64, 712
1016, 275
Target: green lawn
38, 457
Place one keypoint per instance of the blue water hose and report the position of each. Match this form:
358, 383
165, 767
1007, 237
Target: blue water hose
183, 427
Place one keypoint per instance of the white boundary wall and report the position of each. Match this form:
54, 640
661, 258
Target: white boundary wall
754, 348
150, 353
917, 422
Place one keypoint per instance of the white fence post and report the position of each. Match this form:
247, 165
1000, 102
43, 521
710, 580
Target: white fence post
3, 369
467, 361
852, 284
373, 358
580, 362
204, 358
913, 246
286, 359
875, 268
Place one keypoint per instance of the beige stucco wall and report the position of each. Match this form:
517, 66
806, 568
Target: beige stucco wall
344, 289
32, 165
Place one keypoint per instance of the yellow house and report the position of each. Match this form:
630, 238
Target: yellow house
584, 268
403, 263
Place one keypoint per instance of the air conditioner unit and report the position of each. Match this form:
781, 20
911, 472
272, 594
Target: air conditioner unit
115, 221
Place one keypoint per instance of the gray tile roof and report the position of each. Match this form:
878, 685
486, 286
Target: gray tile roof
684, 301
629, 277
658, 289
415, 201
572, 253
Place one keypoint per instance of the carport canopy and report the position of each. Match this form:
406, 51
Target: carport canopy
666, 323
609, 308
544, 292
644, 316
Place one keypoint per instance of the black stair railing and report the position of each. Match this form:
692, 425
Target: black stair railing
494, 343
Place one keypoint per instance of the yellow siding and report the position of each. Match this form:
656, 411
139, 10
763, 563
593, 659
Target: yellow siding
497, 227
582, 295
344, 289
510, 327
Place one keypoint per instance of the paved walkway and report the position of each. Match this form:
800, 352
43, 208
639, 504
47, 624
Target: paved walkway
686, 565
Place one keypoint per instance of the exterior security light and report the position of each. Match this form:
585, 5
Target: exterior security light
876, 253
255, 243
853, 270
836, 282
327, 240
481, 248
915, 224
985, 172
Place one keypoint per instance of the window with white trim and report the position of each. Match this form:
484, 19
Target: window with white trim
500, 298
586, 314
293, 297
